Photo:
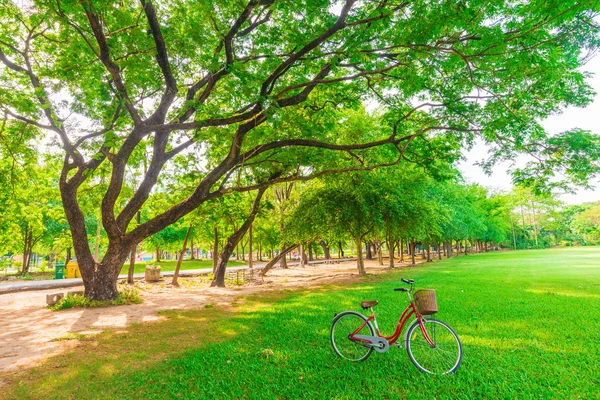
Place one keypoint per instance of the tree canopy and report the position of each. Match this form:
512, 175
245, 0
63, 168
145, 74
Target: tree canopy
263, 91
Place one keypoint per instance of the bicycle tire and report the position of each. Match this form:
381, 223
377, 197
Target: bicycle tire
341, 327
444, 358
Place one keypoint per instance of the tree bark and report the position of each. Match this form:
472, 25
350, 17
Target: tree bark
102, 284
428, 247
283, 260
250, 255
401, 250
310, 252
369, 252
341, 250
439, 250
303, 257
534, 224
219, 277
360, 264
379, 252
181, 255
325, 248
260, 255
413, 245
276, 259
192, 256
97, 250
391, 252
68, 256
25, 264
131, 266
215, 251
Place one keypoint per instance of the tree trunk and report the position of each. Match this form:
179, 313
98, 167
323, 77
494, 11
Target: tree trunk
250, 255
283, 260
341, 250
391, 248
131, 265
360, 264
413, 245
368, 249
100, 279
401, 250
534, 224
325, 248
25, 264
260, 255
183, 250
303, 257
133, 254
97, 250
276, 259
439, 250
215, 251
192, 256
379, 252
428, 247
68, 256
232, 242
523, 224
310, 252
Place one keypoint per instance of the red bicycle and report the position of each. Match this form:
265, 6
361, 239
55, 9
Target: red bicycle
431, 344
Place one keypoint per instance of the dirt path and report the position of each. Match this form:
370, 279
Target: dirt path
29, 331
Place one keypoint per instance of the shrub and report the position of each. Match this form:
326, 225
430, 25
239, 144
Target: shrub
128, 295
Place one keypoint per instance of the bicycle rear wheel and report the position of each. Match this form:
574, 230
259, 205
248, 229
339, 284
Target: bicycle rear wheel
443, 357
342, 326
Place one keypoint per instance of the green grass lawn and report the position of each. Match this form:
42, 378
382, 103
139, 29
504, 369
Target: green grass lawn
140, 267
529, 322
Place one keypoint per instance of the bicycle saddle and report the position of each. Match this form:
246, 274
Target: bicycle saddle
368, 304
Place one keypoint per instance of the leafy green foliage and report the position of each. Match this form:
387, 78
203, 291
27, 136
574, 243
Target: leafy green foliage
127, 295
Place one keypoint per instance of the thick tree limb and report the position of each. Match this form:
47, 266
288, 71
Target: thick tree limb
105, 57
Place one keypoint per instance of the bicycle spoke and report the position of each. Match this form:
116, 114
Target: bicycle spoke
443, 357
345, 347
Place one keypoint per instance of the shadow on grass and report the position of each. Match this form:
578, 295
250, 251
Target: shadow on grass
518, 343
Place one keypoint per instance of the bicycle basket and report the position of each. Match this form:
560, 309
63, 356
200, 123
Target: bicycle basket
426, 302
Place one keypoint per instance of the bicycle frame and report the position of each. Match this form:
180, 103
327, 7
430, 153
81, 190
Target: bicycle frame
408, 312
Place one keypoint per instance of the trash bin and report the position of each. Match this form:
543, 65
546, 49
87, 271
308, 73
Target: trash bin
73, 270
59, 270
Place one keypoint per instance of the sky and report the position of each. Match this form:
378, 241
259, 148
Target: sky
585, 118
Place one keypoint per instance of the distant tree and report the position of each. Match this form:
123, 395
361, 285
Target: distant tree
257, 87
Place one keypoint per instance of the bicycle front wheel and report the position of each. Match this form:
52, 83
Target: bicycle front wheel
443, 357
342, 326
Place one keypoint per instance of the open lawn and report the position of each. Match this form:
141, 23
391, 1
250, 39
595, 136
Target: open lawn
165, 266
529, 322
140, 267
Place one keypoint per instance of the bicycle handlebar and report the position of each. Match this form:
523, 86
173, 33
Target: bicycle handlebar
410, 282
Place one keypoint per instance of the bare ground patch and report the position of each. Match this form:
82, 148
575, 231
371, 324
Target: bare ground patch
30, 333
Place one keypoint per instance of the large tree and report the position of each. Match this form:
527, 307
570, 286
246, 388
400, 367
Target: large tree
252, 89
